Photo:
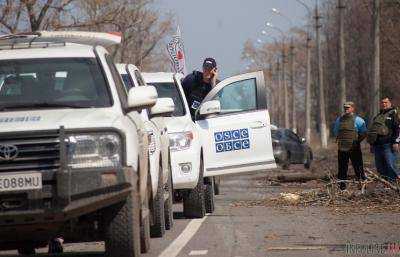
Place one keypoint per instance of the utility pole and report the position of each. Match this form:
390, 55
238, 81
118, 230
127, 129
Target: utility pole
376, 61
322, 117
342, 55
278, 72
294, 121
285, 88
308, 89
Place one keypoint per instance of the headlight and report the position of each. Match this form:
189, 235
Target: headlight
95, 150
180, 141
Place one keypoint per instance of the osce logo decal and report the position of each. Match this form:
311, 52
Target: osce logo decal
231, 140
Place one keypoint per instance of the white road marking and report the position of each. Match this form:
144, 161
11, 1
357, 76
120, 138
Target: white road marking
177, 245
198, 252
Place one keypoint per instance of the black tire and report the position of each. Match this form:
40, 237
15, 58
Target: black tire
286, 161
27, 250
216, 185
157, 229
308, 161
122, 227
55, 246
168, 205
145, 225
209, 195
193, 199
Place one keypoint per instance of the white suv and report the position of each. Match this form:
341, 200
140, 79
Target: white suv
160, 174
231, 135
73, 146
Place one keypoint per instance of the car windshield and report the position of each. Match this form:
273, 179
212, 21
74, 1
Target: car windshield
52, 83
171, 91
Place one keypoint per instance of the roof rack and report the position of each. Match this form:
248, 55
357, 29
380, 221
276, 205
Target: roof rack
25, 45
78, 37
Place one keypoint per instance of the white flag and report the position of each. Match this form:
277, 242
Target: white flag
176, 52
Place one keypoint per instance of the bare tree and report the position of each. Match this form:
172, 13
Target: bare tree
32, 15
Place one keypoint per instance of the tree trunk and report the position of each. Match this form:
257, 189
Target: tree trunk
342, 56
322, 115
376, 60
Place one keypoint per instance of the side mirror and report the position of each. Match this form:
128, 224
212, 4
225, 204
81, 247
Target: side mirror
142, 97
210, 107
164, 106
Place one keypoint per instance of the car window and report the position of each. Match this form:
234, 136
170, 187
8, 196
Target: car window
77, 81
292, 136
238, 96
127, 81
170, 90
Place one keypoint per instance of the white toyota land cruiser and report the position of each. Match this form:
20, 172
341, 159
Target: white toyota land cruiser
160, 173
73, 149
231, 135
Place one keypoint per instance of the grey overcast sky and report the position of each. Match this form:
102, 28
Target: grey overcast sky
219, 28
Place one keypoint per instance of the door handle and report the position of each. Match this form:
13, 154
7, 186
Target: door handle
257, 125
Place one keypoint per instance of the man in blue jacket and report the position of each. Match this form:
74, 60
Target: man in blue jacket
350, 130
198, 84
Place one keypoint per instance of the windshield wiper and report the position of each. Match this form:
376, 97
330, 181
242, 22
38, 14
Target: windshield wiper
42, 105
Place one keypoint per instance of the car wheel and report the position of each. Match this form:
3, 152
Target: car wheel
122, 227
217, 181
27, 250
157, 229
286, 161
209, 195
168, 205
308, 161
55, 246
193, 199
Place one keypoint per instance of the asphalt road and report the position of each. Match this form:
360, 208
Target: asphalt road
239, 231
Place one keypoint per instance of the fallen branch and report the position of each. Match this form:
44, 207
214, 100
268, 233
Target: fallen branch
384, 181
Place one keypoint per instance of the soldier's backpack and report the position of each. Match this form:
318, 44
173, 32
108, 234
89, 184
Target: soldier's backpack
379, 127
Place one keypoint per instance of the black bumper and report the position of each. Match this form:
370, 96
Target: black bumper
66, 195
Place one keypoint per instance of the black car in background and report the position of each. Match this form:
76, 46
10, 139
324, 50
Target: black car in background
289, 148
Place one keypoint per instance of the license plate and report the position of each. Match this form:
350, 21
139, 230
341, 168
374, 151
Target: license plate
19, 182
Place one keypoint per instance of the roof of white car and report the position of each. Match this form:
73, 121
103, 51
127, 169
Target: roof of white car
158, 77
77, 37
54, 51
54, 44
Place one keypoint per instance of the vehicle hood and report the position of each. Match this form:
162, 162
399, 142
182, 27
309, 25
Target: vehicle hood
178, 124
47, 119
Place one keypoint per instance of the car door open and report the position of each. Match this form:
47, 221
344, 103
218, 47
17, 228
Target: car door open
238, 138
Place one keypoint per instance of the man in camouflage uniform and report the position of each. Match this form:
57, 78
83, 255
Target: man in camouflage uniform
350, 130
